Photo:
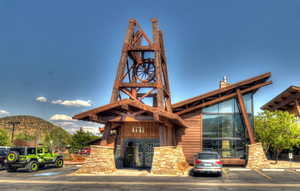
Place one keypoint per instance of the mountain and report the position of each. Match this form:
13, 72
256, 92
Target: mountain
29, 128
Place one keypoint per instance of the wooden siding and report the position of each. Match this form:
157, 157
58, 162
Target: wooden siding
140, 130
191, 138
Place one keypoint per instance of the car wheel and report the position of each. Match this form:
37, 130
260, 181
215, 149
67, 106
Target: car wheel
59, 163
219, 174
32, 166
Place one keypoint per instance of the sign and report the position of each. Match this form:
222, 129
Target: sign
290, 156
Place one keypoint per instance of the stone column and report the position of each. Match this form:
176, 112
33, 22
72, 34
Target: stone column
101, 161
257, 157
169, 160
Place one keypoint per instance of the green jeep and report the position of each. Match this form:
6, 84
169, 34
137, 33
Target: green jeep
31, 158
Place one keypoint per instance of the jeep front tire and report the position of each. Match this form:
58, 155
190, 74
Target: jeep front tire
32, 166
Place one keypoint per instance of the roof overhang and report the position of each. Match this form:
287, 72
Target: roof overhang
128, 111
284, 100
222, 94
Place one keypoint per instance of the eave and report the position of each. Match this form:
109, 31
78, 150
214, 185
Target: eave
284, 100
222, 94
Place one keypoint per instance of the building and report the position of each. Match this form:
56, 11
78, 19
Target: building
288, 100
141, 117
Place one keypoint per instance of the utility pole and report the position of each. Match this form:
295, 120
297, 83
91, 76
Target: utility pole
14, 124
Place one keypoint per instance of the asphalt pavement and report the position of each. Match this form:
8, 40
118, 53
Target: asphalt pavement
62, 179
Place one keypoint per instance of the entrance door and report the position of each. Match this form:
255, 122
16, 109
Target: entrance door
139, 152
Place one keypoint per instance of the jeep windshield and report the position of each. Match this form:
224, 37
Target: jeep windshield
21, 151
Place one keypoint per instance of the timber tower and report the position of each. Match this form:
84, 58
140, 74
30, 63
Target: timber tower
142, 72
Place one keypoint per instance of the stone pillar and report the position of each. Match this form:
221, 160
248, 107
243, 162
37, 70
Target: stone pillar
101, 161
257, 157
169, 160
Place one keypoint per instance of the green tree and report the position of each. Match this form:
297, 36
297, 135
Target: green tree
80, 138
278, 130
57, 138
25, 137
4, 138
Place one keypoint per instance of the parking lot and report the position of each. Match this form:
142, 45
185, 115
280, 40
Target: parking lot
62, 179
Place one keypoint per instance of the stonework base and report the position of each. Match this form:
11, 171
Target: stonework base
257, 157
101, 161
169, 160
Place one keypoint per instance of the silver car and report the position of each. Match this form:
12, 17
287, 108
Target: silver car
208, 162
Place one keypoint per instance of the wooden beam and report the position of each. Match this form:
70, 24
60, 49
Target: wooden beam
138, 85
297, 105
286, 101
245, 115
223, 98
222, 90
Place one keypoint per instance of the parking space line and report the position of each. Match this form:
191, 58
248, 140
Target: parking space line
262, 174
293, 171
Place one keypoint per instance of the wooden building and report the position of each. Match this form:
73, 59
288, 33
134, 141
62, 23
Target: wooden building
140, 115
288, 100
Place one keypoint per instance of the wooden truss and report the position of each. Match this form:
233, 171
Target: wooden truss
142, 72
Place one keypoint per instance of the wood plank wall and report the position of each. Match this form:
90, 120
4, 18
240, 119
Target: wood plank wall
191, 138
140, 130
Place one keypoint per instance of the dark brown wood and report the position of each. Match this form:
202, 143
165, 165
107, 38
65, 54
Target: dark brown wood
223, 90
286, 101
223, 98
281, 101
245, 117
297, 107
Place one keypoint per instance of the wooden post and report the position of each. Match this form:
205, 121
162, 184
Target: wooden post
297, 108
123, 61
162, 135
106, 134
245, 116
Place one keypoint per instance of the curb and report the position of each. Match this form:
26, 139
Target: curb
272, 170
239, 169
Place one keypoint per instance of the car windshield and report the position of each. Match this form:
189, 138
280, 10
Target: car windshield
21, 151
207, 156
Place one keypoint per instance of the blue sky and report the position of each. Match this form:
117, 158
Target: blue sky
69, 50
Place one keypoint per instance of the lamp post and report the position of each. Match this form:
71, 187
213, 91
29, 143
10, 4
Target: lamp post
14, 124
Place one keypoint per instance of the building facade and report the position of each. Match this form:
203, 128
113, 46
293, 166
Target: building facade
141, 116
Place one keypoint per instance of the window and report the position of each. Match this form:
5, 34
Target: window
31, 151
223, 129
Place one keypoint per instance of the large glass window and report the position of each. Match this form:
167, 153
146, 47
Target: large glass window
223, 128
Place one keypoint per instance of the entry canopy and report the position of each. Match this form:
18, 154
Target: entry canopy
285, 100
128, 110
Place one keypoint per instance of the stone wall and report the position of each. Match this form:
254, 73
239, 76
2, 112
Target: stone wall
257, 157
169, 160
101, 161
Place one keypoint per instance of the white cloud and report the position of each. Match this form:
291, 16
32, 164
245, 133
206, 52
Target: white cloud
73, 103
75, 125
41, 99
61, 117
3, 112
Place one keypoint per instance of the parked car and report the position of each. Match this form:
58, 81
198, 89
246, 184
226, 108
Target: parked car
85, 151
3, 154
208, 162
31, 158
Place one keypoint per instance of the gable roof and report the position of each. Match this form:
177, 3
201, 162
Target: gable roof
174, 118
284, 99
221, 94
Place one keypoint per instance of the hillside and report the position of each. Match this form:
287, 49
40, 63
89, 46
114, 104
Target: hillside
31, 128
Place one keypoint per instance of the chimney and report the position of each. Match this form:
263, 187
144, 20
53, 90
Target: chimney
224, 83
